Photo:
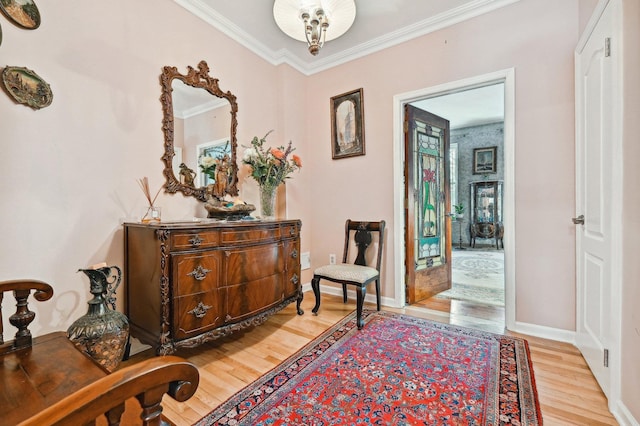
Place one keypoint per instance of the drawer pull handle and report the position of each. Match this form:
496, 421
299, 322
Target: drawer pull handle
295, 279
294, 254
195, 240
292, 231
200, 311
199, 273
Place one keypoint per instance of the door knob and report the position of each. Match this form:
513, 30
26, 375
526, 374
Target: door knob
578, 220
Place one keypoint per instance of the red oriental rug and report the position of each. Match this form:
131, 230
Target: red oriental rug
397, 370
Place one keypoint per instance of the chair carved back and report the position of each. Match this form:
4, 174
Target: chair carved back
362, 236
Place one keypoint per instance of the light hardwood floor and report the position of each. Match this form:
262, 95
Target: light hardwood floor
568, 392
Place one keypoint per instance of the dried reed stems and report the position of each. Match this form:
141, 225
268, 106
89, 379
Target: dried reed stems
144, 185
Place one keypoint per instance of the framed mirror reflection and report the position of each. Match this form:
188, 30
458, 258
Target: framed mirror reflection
199, 122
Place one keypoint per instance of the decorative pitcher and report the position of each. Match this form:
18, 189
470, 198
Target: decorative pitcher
103, 333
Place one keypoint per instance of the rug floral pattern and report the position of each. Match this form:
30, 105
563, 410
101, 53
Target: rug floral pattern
477, 276
397, 370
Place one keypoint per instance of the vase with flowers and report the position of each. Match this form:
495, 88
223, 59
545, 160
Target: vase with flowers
270, 167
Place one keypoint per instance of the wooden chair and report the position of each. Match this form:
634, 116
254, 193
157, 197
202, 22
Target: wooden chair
46, 380
357, 274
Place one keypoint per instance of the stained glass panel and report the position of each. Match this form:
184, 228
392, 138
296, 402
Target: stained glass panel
429, 208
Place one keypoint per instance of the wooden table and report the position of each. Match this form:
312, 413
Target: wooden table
32, 379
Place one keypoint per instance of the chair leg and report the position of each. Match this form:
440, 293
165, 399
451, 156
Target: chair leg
344, 293
315, 286
361, 292
378, 293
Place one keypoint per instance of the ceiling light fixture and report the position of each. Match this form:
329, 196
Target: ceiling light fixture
310, 20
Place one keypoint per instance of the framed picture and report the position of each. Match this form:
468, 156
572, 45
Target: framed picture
347, 125
26, 87
23, 13
484, 160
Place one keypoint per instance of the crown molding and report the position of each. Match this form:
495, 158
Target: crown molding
200, 109
284, 56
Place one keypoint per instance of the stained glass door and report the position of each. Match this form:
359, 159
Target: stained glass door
427, 220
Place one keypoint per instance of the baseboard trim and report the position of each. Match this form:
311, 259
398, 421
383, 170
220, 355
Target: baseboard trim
351, 294
545, 332
520, 327
623, 415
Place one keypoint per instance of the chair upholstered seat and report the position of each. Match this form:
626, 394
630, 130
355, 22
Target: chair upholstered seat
358, 274
347, 272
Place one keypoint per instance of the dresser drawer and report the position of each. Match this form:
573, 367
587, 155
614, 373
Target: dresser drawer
197, 313
253, 263
245, 300
196, 273
194, 239
249, 235
290, 230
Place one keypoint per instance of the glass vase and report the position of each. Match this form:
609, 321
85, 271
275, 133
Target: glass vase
151, 214
268, 201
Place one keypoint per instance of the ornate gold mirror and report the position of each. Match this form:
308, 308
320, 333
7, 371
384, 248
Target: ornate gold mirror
199, 121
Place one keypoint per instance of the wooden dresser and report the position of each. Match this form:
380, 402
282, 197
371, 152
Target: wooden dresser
189, 283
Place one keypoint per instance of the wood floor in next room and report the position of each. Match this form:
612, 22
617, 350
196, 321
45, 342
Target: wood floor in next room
568, 393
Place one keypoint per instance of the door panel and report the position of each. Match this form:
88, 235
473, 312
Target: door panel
593, 200
428, 224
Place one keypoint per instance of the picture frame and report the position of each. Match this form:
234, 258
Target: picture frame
26, 87
485, 160
347, 124
23, 13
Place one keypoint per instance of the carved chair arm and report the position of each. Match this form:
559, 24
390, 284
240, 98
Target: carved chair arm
23, 316
148, 381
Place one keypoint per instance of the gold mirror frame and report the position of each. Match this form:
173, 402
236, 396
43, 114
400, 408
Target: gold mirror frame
199, 78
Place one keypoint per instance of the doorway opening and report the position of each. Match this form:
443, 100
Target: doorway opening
485, 169
476, 167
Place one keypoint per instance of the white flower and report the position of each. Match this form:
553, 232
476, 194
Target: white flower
249, 154
207, 161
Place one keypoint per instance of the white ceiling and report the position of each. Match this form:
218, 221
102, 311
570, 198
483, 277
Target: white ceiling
379, 24
468, 108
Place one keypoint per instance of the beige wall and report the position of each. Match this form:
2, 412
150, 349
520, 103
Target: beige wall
68, 172
537, 39
630, 349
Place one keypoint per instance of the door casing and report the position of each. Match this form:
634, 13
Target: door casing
506, 76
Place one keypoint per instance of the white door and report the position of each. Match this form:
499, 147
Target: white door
594, 170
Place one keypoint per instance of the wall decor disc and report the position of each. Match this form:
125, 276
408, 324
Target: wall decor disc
26, 87
23, 13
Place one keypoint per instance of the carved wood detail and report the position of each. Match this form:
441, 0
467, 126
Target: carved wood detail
252, 272
198, 78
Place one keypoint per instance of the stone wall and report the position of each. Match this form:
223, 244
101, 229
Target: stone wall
469, 138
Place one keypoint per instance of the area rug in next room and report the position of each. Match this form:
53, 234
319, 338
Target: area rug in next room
477, 276
397, 370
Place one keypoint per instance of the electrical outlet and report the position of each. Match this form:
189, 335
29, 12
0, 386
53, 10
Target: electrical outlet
305, 260
332, 259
